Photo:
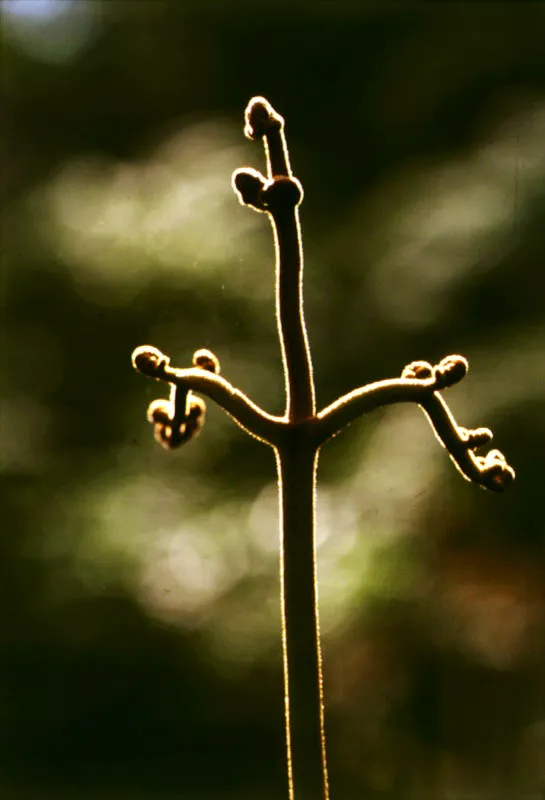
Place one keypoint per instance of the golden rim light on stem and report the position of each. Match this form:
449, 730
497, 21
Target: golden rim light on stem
298, 435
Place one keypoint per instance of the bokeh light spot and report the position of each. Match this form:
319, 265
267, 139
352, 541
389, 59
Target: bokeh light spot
53, 31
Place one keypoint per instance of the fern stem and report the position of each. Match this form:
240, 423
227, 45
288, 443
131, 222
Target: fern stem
300, 403
307, 768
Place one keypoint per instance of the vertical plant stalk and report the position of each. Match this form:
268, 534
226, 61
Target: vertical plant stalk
296, 459
303, 683
297, 436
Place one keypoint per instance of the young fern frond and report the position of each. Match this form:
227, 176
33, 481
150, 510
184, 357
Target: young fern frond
297, 436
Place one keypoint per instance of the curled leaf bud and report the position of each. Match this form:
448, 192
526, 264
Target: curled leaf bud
502, 478
499, 475
477, 437
192, 425
172, 430
205, 359
419, 370
282, 193
249, 184
450, 370
149, 361
163, 435
160, 411
261, 118
197, 408
192, 429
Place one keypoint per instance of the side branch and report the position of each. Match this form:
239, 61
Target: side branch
151, 362
421, 383
279, 196
491, 471
289, 309
337, 416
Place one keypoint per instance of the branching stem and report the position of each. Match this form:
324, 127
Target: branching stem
297, 437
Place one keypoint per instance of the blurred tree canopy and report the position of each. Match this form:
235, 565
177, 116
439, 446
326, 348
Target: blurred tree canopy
140, 650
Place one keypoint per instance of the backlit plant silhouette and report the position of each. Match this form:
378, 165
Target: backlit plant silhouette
297, 437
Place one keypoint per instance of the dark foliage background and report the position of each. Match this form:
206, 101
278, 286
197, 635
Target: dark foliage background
139, 642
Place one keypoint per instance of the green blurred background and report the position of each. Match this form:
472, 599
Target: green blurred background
139, 644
